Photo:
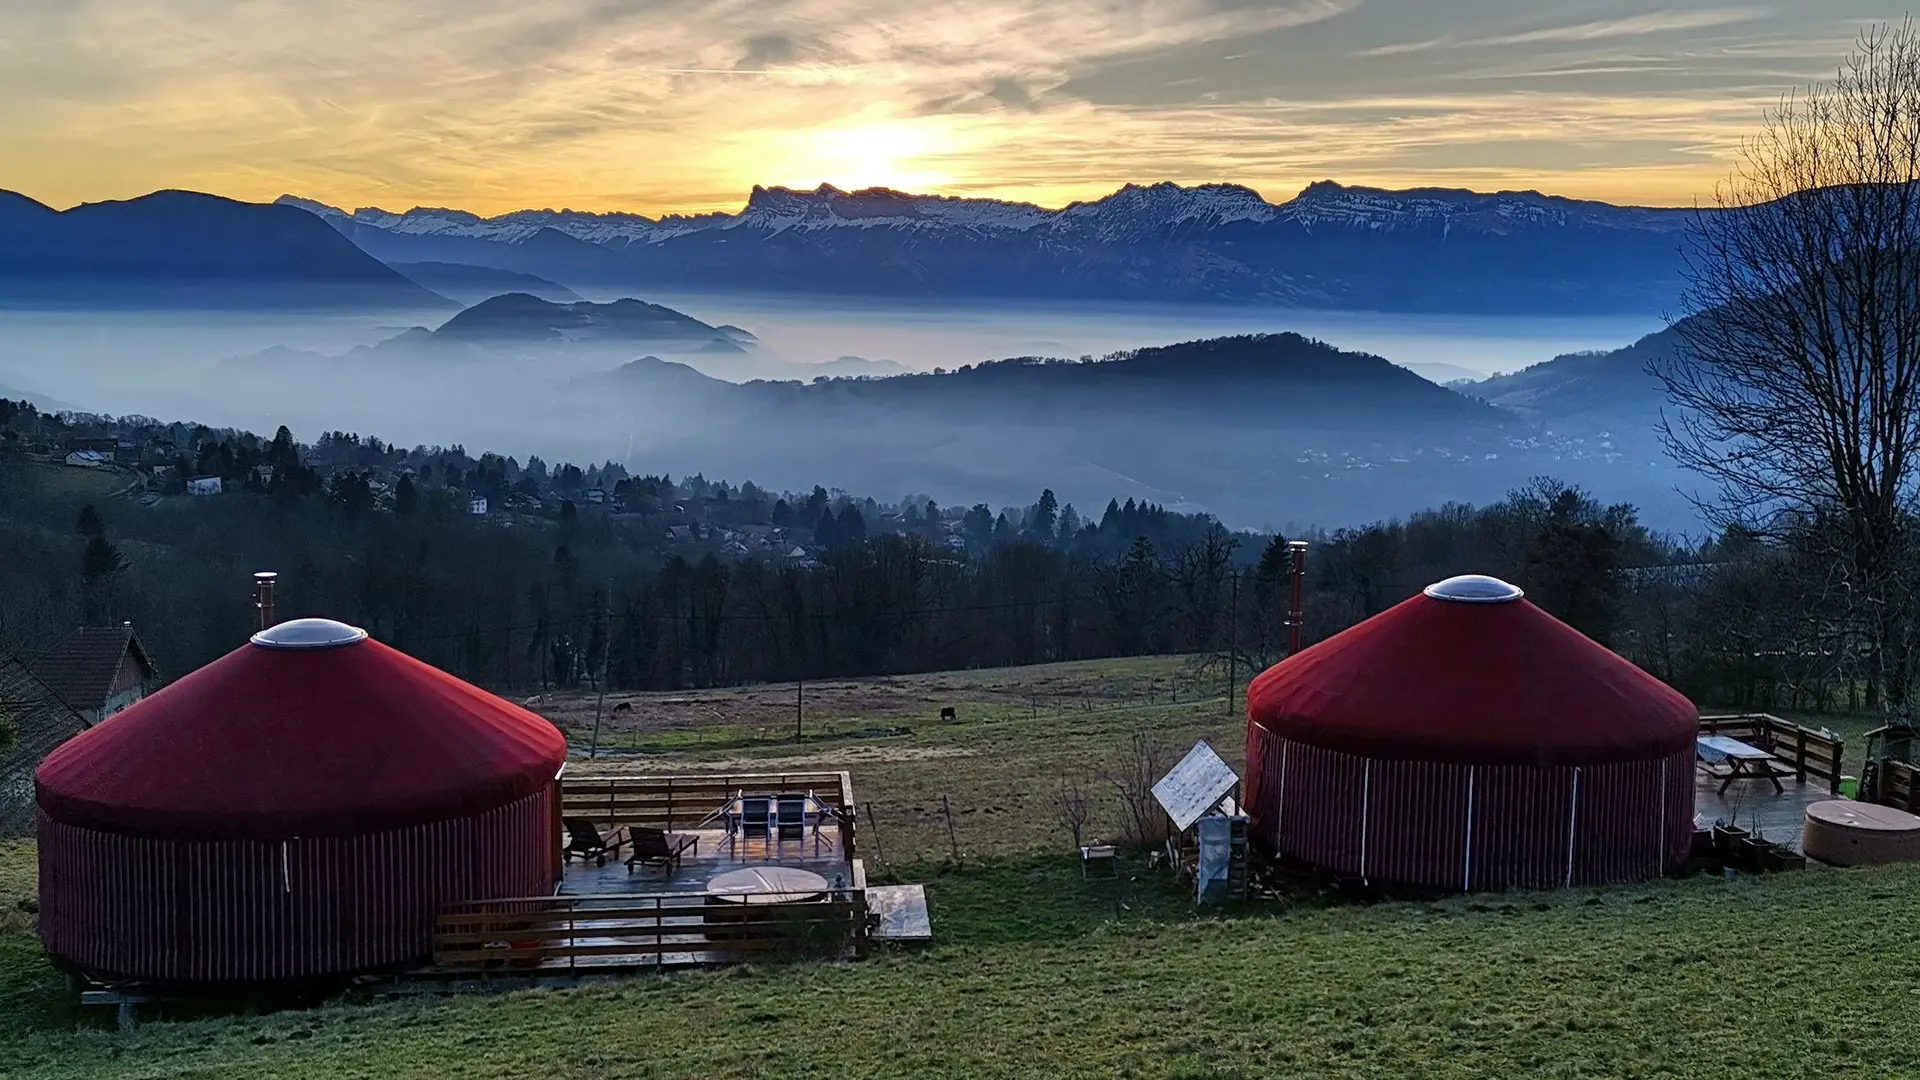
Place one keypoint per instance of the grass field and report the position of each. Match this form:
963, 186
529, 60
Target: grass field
1039, 974
80, 482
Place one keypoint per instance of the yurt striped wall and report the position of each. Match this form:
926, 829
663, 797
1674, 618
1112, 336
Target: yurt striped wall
1469, 827
261, 910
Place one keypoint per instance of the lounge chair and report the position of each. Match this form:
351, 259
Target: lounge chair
790, 817
756, 816
585, 842
654, 847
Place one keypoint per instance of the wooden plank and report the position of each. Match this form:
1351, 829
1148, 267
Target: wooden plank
670, 943
466, 923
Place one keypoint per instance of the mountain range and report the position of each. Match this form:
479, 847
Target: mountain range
180, 248
1332, 246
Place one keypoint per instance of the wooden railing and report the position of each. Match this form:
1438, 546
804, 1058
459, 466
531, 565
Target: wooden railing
618, 932
683, 802
1898, 785
1812, 753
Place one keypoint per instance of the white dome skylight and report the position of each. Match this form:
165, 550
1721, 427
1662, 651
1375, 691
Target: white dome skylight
1474, 589
309, 634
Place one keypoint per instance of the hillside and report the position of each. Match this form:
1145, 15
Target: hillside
1284, 381
1260, 430
184, 248
1330, 246
1614, 387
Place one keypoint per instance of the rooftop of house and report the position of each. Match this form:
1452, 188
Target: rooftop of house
36, 721
81, 668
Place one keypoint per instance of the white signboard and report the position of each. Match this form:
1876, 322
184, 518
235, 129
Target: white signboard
1194, 786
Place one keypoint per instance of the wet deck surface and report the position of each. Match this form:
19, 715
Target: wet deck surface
1753, 805
715, 855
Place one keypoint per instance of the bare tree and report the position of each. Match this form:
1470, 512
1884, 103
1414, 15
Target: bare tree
1143, 822
1796, 377
1070, 803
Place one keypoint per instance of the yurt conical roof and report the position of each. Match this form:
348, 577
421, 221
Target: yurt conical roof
1471, 672
311, 729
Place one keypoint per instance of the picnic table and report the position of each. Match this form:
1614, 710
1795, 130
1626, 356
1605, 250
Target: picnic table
1743, 761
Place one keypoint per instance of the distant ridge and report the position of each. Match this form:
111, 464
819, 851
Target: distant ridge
472, 284
1331, 246
520, 317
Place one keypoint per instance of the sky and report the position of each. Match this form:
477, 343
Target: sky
657, 106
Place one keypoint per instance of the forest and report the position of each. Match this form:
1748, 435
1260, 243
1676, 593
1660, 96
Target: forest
638, 591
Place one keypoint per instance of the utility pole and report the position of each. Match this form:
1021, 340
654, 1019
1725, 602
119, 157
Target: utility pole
606, 654
1233, 634
799, 709
1296, 608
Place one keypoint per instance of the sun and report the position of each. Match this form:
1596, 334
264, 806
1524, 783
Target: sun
906, 155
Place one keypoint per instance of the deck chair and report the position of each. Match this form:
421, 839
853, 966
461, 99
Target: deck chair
655, 847
756, 816
790, 817
585, 842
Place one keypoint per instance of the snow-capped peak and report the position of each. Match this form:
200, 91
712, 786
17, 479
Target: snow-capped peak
776, 209
1327, 203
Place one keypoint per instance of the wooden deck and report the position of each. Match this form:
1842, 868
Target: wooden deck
1753, 805
715, 856
608, 919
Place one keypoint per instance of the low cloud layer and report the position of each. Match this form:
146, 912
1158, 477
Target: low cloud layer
681, 105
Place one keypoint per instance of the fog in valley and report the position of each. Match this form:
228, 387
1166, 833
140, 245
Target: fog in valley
1258, 453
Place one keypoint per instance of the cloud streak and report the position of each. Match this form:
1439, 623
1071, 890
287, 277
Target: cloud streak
1660, 22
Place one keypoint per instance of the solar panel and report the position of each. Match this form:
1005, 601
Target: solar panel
1201, 780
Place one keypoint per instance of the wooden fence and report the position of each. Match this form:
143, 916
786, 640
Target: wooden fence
1811, 753
611, 933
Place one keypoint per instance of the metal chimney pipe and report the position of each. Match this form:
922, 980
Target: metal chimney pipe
1296, 606
263, 597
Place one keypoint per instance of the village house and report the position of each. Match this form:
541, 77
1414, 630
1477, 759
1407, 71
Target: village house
204, 485
97, 670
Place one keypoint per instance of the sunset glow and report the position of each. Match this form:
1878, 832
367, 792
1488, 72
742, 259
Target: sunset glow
684, 105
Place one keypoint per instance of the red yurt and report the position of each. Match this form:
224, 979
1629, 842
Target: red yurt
1466, 739
298, 809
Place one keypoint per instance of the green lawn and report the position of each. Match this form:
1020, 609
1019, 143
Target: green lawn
1044, 976
1039, 974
